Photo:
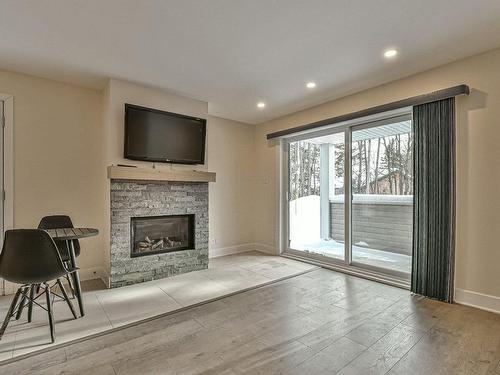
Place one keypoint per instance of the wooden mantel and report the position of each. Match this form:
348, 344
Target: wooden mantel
150, 174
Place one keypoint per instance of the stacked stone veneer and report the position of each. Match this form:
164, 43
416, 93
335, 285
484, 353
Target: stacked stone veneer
138, 199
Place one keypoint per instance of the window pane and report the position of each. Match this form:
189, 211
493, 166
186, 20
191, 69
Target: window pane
316, 201
382, 196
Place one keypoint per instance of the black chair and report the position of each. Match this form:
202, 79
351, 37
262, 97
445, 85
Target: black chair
60, 221
56, 222
30, 257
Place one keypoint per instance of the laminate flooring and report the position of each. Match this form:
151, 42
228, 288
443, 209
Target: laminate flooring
108, 309
320, 322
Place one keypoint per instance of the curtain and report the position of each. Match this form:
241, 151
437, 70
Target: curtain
434, 199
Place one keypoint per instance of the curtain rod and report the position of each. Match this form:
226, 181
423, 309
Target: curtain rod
414, 100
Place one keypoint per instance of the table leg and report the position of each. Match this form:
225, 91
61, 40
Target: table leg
76, 277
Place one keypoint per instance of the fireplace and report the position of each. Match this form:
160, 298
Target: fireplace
161, 234
132, 203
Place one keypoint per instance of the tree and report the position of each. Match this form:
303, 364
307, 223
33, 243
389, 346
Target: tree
376, 166
384, 169
367, 163
304, 169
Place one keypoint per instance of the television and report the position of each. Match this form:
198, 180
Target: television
159, 136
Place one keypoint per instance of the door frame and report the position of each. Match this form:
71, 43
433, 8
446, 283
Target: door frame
346, 265
8, 175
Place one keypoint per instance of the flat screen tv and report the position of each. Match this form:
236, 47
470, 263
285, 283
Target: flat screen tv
160, 136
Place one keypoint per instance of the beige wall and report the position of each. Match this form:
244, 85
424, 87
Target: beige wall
478, 162
57, 155
228, 153
65, 137
231, 155
121, 92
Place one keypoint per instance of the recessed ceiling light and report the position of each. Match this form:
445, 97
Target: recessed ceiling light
390, 53
311, 85
261, 105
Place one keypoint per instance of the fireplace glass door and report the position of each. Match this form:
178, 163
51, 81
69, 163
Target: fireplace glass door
161, 234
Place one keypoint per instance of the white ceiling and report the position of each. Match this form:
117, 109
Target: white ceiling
233, 53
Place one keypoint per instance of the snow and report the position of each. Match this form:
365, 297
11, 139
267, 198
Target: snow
305, 219
376, 199
305, 236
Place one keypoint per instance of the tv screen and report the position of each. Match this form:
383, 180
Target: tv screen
159, 136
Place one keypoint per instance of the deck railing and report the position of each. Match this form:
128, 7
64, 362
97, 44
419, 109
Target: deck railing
382, 222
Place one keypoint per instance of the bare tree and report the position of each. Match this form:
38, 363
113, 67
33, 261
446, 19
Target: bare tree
376, 166
360, 165
388, 163
367, 163
384, 168
400, 164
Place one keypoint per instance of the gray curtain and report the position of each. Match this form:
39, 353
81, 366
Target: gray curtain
434, 199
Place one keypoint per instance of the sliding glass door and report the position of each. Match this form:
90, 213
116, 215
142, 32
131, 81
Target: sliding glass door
369, 162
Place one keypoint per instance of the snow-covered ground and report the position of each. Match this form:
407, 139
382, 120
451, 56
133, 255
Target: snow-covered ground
305, 236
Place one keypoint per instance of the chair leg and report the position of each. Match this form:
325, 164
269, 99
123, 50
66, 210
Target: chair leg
30, 304
23, 302
10, 312
70, 284
66, 298
49, 311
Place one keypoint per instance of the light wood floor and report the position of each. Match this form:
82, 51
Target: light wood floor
108, 309
321, 322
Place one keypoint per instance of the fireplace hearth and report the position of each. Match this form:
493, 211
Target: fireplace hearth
161, 234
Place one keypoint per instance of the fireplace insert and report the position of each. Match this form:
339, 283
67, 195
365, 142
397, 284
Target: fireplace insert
161, 234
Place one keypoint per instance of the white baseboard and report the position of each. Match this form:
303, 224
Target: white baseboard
263, 248
221, 251
92, 273
214, 253
477, 300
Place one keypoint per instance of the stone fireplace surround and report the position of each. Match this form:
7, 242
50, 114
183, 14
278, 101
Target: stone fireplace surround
137, 198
